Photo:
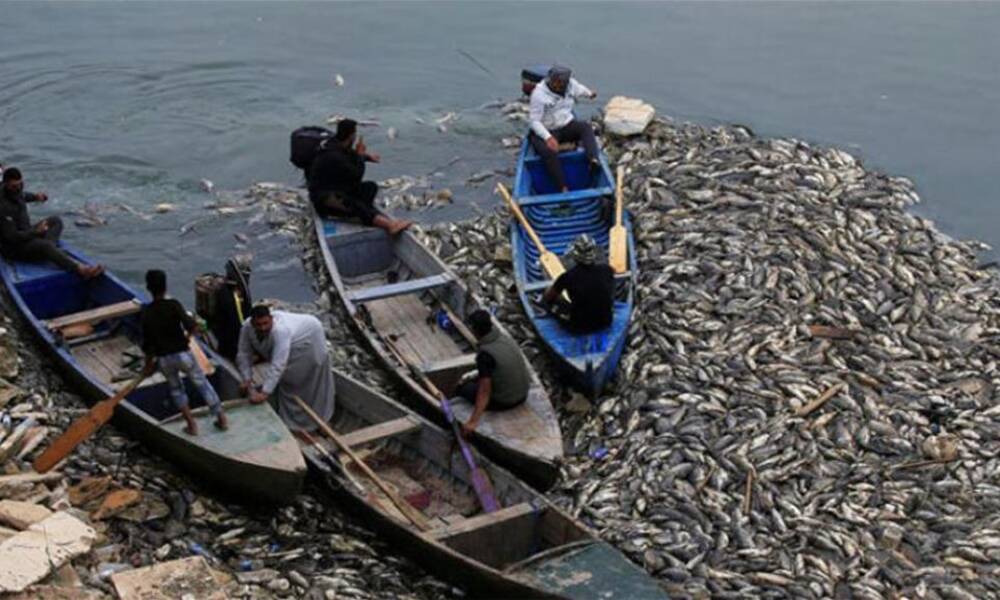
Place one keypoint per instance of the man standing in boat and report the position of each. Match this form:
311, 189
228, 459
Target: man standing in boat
294, 348
335, 181
20, 240
591, 288
166, 328
502, 378
552, 122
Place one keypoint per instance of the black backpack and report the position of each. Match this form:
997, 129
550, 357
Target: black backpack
307, 143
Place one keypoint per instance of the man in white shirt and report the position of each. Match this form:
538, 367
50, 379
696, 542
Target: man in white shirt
294, 348
552, 122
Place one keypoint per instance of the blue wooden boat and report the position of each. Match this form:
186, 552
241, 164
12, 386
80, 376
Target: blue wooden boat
256, 460
587, 361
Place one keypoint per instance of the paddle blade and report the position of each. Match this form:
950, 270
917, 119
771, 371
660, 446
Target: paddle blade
618, 249
199, 356
80, 430
551, 264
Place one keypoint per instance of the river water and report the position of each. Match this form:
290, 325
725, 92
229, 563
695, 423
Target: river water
135, 103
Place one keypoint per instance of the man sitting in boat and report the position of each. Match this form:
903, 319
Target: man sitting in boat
590, 286
335, 181
165, 330
502, 379
294, 346
20, 240
552, 122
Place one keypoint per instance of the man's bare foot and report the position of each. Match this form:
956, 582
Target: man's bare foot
90, 271
398, 227
221, 423
191, 429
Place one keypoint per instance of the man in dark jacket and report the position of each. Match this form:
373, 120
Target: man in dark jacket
335, 181
19, 240
502, 380
590, 286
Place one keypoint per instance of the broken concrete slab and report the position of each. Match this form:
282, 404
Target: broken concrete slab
12, 484
51, 592
627, 116
32, 554
187, 577
21, 515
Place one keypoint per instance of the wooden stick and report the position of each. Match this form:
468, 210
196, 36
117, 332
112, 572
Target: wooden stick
333, 461
821, 400
415, 516
480, 482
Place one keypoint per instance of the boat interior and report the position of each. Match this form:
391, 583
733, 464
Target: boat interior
405, 296
424, 465
96, 323
534, 180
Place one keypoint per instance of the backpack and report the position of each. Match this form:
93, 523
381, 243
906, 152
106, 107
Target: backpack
307, 143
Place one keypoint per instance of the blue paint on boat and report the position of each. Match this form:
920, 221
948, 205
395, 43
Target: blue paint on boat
589, 361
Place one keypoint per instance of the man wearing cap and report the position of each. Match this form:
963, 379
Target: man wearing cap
552, 122
591, 288
335, 181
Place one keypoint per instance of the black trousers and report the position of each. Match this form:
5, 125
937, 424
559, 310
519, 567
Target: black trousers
360, 205
468, 391
44, 248
575, 131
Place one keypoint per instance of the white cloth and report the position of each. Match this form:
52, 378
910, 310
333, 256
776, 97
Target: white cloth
298, 365
548, 110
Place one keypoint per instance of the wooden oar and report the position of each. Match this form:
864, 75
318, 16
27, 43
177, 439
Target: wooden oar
551, 264
411, 513
199, 356
480, 482
617, 245
83, 428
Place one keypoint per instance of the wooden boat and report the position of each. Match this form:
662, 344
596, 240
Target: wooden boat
528, 548
257, 459
587, 361
396, 290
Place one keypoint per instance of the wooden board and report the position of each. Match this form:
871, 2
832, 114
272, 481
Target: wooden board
96, 315
175, 579
380, 431
389, 290
403, 319
492, 519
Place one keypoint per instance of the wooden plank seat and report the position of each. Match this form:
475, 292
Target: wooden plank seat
389, 290
543, 284
463, 361
95, 315
379, 431
509, 513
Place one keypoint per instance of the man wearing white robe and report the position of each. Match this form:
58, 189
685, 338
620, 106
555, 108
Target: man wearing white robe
294, 346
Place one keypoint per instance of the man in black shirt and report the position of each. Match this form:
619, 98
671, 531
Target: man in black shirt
165, 332
502, 380
335, 181
19, 240
591, 289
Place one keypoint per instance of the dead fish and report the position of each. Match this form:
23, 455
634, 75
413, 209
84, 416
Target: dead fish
446, 118
164, 207
391, 133
338, 80
207, 185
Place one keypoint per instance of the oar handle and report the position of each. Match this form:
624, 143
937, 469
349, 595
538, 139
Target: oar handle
619, 194
514, 208
408, 511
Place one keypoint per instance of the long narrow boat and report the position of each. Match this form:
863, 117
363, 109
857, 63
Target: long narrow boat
398, 291
587, 361
257, 459
528, 548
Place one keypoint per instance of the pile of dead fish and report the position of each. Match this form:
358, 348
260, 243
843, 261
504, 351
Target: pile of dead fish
116, 521
806, 404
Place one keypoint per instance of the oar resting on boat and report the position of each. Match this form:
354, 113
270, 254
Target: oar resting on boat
527, 548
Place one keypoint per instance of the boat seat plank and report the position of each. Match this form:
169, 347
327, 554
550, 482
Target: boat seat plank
94, 315
464, 361
373, 433
484, 520
543, 284
410, 286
